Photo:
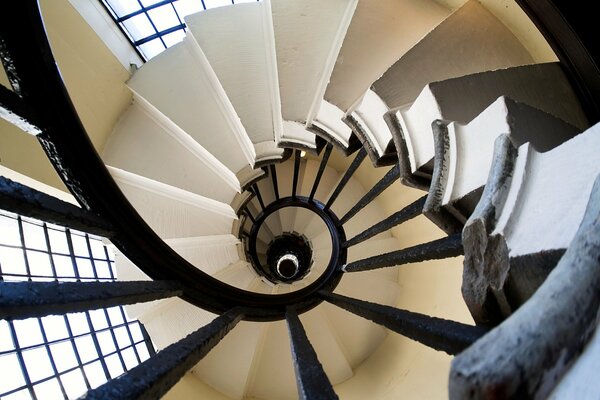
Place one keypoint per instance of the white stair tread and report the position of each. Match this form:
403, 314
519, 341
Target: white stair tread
181, 84
172, 212
144, 140
174, 321
210, 254
273, 377
228, 366
246, 66
308, 37
239, 274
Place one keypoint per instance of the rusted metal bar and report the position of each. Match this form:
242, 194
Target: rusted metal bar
155, 376
311, 379
399, 217
321, 170
389, 178
19, 300
449, 336
23, 200
450, 246
360, 156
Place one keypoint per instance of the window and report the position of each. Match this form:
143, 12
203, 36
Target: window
62, 356
154, 25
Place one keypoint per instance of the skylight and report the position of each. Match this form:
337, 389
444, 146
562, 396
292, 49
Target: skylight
154, 25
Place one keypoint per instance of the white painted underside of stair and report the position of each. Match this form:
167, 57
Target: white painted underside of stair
308, 37
542, 86
144, 141
381, 32
173, 212
330, 120
181, 84
468, 41
246, 66
369, 114
296, 133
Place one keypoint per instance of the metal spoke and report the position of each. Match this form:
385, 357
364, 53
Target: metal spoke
450, 246
389, 178
311, 379
29, 202
20, 300
321, 170
408, 212
296, 171
360, 156
258, 196
155, 376
273, 172
437, 333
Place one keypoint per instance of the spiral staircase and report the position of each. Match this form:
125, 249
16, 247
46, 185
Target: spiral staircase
270, 183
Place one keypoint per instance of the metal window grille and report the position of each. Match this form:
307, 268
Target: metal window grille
154, 25
62, 356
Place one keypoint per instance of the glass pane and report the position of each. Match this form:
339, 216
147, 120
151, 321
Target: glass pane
129, 358
20, 395
10, 231
114, 365
37, 363
97, 249
103, 269
74, 383
139, 27
12, 376
152, 48
123, 7
63, 355
107, 345
85, 268
95, 374
115, 315
78, 323
122, 337
187, 7
98, 319
86, 348
48, 390
5, 337
164, 17
217, 3
142, 351
12, 261
79, 245
174, 38
34, 236
55, 327
39, 264
58, 241
28, 332
64, 266
136, 332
